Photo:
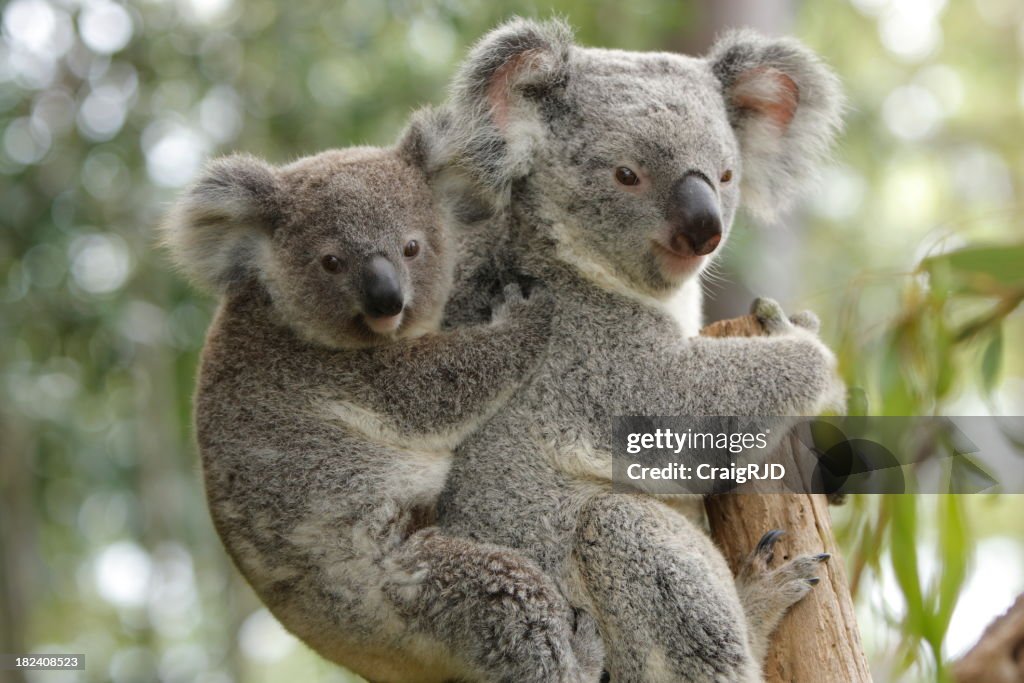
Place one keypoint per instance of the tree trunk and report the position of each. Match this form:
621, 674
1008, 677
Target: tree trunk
998, 656
818, 640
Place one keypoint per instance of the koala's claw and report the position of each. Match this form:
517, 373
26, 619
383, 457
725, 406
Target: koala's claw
767, 543
795, 578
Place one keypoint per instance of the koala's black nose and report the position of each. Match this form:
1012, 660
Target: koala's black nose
694, 216
382, 292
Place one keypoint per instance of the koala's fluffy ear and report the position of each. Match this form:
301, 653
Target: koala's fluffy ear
422, 141
215, 230
495, 96
785, 106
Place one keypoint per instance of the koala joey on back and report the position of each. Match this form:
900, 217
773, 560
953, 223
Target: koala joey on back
327, 408
616, 176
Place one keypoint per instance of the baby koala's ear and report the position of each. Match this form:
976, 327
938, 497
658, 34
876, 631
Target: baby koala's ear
494, 97
785, 106
423, 141
215, 230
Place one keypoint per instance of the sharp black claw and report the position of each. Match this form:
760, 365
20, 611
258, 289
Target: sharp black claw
823, 557
768, 541
814, 580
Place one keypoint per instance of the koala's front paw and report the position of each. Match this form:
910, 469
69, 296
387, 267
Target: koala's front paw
534, 313
506, 305
774, 321
806, 320
771, 316
810, 358
513, 294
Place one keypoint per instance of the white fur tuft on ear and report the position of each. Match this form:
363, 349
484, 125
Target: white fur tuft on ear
785, 106
422, 142
214, 231
495, 93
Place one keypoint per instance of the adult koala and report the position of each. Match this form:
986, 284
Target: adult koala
617, 176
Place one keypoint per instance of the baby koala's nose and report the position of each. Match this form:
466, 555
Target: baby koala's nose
382, 292
694, 216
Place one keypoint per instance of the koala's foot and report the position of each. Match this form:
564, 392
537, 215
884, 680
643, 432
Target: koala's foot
493, 609
660, 594
766, 591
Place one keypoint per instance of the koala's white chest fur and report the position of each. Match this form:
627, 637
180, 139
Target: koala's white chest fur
686, 306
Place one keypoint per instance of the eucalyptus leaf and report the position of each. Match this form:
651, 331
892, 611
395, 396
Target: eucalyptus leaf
978, 269
992, 360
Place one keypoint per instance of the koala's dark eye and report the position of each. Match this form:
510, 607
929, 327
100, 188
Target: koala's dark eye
412, 248
331, 263
626, 176
727, 176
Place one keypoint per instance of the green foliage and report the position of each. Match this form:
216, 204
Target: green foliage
954, 305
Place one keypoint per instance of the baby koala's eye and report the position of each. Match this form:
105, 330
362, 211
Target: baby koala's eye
626, 176
331, 263
727, 176
412, 248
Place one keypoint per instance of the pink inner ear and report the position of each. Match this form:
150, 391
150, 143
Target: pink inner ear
769, 93
499, 90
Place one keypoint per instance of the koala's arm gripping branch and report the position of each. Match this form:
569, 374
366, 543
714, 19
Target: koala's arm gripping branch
450, 381
785, 375
818, 639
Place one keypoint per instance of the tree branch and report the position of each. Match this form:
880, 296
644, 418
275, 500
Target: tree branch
998, 656
818, 640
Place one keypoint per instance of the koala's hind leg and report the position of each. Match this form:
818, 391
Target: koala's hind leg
662, 595
766, 592
495, 610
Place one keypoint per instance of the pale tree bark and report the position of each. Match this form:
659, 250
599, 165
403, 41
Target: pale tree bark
818, 640
998, 656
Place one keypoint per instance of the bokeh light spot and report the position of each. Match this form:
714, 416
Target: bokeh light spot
105, 27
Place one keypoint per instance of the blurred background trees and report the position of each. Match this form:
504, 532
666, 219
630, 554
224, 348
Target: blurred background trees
108, 109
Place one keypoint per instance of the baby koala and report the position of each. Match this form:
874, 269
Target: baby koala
328, 406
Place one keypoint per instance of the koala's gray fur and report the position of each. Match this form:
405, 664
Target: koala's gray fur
543, 124
325, 445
